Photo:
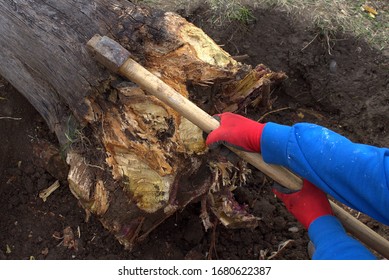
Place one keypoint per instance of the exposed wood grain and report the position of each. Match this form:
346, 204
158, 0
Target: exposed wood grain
133, 160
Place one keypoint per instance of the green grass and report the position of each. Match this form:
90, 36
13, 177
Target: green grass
326, 16
223, 11
332, 16
242, 14
74, 136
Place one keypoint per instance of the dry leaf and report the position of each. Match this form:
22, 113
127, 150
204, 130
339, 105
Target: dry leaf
370, 10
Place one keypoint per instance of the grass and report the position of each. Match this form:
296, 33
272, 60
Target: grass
223, 11
242, 14
74, 135
332, 16
327, 16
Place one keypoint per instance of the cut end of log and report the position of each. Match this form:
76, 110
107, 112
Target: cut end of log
157, 156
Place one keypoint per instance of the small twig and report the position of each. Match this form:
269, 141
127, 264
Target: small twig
280, 249
212, 247
312, 113
306, 46
204, 214
230, 41
272, 112
95, 166
328, 44
55, 235
92, 165
10, 118
47, 192
241, 57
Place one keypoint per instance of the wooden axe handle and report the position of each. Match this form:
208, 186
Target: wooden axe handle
117, 59
153, 85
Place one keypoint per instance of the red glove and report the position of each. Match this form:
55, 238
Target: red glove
306, 205
236, 131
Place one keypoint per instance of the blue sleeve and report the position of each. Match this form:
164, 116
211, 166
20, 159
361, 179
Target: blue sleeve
354, 174
332, 242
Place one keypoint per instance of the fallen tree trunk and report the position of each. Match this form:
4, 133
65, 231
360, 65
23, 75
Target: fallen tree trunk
133, 160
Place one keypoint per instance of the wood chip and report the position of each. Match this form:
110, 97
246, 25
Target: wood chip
47, 192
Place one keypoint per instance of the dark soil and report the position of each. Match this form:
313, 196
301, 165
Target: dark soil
342, 85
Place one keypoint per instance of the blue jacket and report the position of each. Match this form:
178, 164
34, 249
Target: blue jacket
354, 174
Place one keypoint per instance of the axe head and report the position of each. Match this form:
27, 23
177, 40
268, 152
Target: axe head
108, 52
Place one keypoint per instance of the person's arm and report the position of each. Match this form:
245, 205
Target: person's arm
333, 243
354, 174
280, 144
311, 208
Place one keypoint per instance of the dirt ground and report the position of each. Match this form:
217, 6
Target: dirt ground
338, 82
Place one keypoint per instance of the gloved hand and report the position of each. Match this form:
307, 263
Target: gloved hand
236, 131
307, 204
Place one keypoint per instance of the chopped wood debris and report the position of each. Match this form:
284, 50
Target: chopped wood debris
47, 192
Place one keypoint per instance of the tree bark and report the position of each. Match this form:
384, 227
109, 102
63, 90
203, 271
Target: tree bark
133, 161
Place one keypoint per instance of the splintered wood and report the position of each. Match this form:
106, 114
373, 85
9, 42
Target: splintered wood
133, 160
157, 158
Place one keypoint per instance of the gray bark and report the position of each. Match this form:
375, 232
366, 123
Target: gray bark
43, 53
